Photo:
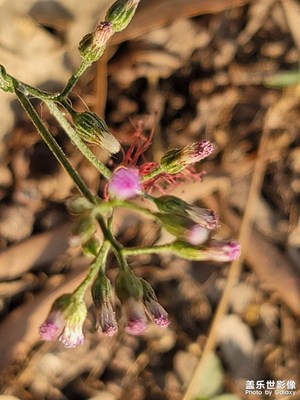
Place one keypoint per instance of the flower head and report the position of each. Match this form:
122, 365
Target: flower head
202, 216
183, 228
222, 251
103, 300
214, 250
92, 45
124, 183
65, 321
175, 161
154, 309
129, 289
93, 129
121, 13
136, 318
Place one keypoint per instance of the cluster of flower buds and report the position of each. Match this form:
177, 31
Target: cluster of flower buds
93, 129
192, 226
138, 298
65, 321
67, 315
93, 45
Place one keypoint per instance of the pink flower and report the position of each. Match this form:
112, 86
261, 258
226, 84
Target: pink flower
129, 290
136, 317
153, 308
183, 228
197, 235
222, 251
53, 327
176, 160
65, 321
103, 299
124, 183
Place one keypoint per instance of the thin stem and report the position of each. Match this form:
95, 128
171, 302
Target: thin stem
72, 81
70, 131
93, 270
135, 251
122, 203
52, 144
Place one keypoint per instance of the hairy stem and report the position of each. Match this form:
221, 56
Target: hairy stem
72, 81
93, 270
71, 132
52, 144
135, 251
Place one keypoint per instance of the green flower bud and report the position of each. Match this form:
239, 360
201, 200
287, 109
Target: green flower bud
79, 205
201, 216
121, 13
93, 129
65, 321
103, 299
187, 251
128, 285
154, 309
129, 289
220, 251
184, 228
92, 45
170, 204
174, 161
6, 81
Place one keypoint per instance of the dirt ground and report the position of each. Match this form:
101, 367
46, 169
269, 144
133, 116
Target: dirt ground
189, 70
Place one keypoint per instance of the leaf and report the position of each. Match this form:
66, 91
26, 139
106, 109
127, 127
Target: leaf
227, 396
211, 381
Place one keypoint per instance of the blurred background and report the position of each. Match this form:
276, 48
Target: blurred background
223, 70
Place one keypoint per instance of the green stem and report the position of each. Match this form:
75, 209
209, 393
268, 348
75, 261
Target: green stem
52, 144
72, 81
107, 205
93, 270
135, 251
71, 132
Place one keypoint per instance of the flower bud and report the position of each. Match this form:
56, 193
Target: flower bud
175, 161
124, 183
6, 81
121, 13
202, 216
93, 129
184, 228
65, 321
130, 292
154, 309
79, 205
92, 45
103, 300
221, 251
